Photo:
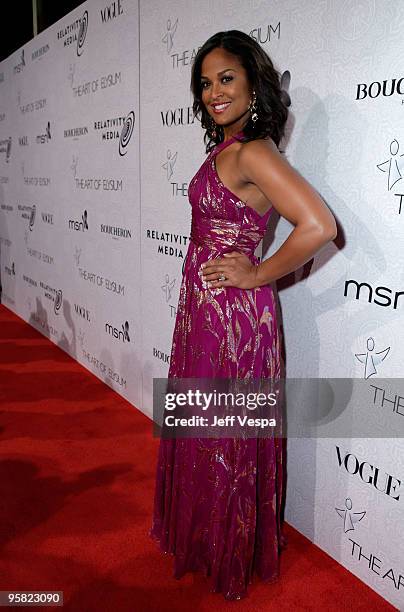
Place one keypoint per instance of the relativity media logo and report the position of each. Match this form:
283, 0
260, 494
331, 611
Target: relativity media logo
79, 226
120, 334
75, 33
126, 133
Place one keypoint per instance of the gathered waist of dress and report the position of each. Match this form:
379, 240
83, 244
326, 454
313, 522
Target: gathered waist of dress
219, 234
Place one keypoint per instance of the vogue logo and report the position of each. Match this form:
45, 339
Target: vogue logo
385, 88
111, 11
82, 312
178, 116
369, 474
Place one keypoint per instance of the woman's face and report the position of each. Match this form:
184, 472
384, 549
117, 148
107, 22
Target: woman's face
224, 80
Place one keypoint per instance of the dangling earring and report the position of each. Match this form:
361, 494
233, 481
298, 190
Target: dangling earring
253, 108
212, 127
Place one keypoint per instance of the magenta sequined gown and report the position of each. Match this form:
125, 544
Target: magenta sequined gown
217, 501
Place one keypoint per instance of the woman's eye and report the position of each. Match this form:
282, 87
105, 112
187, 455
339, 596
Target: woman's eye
207, 82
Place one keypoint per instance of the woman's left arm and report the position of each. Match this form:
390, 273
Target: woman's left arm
260, 162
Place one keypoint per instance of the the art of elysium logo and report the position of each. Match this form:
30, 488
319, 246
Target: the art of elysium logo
168, 37
374, 562
350, 517
126, 133
393, 168
167, 287
178, 59
371, 358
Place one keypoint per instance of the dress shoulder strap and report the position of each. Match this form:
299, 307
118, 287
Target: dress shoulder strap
225, 143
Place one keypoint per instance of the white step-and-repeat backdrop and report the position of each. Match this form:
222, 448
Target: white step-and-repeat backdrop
97, 146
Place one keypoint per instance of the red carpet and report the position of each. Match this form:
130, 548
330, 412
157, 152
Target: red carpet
77, 479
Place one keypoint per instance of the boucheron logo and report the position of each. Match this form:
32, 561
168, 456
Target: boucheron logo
126, 133
371, 358
167, 287
39, 53
168, 38
350, 518
386, 88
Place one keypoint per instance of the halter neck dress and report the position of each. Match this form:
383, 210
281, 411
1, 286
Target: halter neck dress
217, 501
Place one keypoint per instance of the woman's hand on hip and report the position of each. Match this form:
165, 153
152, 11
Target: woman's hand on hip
236, 267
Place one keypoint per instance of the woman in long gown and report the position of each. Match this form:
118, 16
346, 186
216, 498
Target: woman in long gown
218, 501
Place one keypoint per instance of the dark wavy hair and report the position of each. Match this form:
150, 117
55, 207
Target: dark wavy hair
272, 100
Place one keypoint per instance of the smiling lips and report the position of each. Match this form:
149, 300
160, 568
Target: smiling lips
220, 108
